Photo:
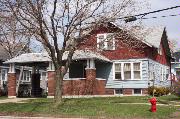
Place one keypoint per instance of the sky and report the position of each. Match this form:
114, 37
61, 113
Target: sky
172, 24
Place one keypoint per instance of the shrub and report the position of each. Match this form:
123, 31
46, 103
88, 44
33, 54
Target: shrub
159, 91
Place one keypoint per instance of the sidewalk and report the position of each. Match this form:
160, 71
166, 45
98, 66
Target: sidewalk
15, 100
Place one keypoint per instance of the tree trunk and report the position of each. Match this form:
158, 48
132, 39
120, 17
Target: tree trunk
58, 87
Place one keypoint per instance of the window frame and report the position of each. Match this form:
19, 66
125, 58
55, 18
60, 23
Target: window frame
6, 72
46, 77
118, 89
122, 70
136, 94
105, 42
27, 74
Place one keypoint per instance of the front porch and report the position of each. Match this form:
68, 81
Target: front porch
85, 76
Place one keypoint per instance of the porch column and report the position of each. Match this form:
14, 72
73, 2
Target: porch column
90, 76
51, 80
12, 81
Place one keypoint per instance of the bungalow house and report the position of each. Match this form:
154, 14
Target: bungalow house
109, 61
175, 65
4, 68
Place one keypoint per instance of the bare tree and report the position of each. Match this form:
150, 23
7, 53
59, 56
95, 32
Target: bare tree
60, 25
13, 40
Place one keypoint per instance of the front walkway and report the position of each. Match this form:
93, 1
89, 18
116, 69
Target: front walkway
15, 100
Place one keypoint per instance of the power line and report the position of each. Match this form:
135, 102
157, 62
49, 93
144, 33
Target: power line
134, 17
163, 16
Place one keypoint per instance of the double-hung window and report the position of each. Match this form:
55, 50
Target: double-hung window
127, 71
4, 74
106, 41
118, 75
26, 76
137, 70
43, 75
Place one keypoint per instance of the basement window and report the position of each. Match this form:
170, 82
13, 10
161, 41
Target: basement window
118, 91
137, 91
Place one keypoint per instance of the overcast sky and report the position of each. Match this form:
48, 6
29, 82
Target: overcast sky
171, 23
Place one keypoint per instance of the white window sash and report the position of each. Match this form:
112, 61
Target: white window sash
132, 70
105, 41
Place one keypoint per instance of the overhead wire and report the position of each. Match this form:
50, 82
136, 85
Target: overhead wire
146, 13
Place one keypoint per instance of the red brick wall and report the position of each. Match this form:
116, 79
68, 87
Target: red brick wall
88, 86
82, 87
11, 84
127, 91
145, 91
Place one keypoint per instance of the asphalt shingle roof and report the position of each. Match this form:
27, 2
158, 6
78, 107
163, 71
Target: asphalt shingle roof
44, 57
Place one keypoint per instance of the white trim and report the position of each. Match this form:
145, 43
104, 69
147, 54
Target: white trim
74, 79
119, 89
12, 68
132, 70
136, 94
51, 67
105, 41
11, 96
100, 79
50, 96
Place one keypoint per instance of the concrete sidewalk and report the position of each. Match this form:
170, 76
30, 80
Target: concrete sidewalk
15, 100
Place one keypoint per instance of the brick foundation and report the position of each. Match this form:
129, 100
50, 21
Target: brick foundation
11, 85
127, 91
145, 91
85, 87
51, 83
88, 86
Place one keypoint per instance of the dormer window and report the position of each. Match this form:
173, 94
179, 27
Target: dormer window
106, 41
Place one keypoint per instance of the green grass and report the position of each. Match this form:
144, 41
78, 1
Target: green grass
90, 107
3, 97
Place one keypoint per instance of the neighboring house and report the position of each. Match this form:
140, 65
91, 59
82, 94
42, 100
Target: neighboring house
4, 68
111, 62
175, 65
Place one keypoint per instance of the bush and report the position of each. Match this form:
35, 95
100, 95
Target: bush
176, 88
159, 91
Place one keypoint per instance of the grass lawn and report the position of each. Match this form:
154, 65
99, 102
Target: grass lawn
3, 97
111, 107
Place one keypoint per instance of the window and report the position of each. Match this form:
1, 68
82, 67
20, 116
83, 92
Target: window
26, 76
118, 72
118, 91
137, 71
106, 41
127, 71
43, 76
137, 91
4, 74
77, 70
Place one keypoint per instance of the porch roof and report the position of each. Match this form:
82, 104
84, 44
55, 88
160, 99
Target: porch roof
44, 57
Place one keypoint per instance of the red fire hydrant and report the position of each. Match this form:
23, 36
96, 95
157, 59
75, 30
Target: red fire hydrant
153, 104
